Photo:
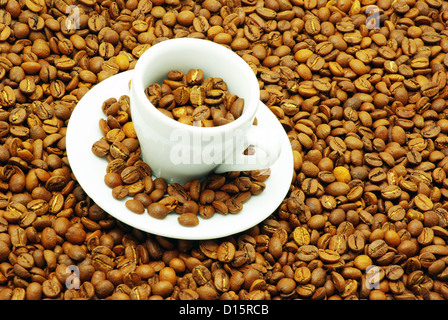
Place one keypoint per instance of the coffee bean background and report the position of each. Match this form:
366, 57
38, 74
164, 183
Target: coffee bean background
360, 91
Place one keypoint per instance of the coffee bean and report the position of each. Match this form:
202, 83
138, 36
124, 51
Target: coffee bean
157, 210
120, 192
308, 252
328, 256
50, 288
377, 249
135, 206
226, 252
301, 236
302, 275
188, 219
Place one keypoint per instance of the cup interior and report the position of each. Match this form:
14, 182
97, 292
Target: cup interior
184, 54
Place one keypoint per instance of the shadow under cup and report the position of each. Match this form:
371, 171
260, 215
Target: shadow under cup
179, 152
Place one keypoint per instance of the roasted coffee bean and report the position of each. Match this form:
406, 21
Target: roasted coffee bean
301, 236
178, 192
377, 248
157, 210
188, 219
135, 206
120, 192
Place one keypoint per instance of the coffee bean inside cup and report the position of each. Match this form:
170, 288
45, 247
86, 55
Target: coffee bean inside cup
194, 100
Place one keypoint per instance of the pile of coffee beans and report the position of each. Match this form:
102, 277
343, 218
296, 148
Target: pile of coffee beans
130, 178
194, 100
360, 89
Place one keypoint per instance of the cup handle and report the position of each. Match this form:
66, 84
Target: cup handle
267, 151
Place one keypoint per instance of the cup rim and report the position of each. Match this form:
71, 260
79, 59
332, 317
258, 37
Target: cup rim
137, 89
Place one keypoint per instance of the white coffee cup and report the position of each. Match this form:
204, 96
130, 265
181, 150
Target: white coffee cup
179, 152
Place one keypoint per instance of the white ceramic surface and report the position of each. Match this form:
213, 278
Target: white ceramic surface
83, 130
181, 153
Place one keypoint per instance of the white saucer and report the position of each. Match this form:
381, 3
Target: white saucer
83, 130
